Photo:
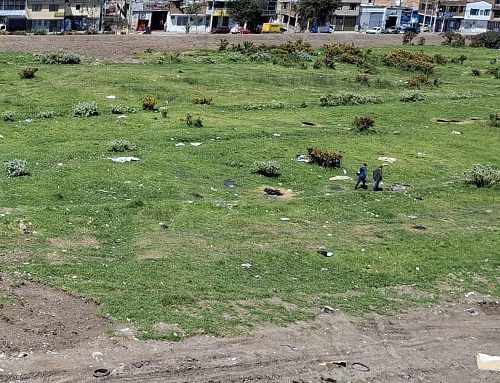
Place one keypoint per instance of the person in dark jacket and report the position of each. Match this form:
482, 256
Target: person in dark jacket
363, 172
377, 178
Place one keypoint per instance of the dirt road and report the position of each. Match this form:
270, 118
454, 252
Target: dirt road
49, 336
123, 47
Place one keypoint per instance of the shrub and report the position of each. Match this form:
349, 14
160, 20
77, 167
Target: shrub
236, 56
122, 109
8, 115
203, 60
475, 72
481, 175
495, 71
363, 124
421, 40
86, 109
163, 111
202, 101
45, 114
362, 79
28, 72
16, 168
324, 158
223, 45
439, 59
412, 96
489, 39
408, 37
261, 57
346, 53
462, 95
39, 31
419, 80
459, 59
59, 58
495, 120
300, 56
196, 122
149, 103
267, 168
409, 61
120, 145
453, 39
347, 98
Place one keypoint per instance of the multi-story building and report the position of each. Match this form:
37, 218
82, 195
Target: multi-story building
494, 23
347, 15
46, 15
13, 14
388, 13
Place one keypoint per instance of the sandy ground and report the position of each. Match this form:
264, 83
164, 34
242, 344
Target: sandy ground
123, 47
49, 336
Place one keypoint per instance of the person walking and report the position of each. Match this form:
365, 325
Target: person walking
377, 178
363, 172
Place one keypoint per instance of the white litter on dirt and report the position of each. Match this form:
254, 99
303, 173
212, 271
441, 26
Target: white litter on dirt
389, 160
196, 143
456, 132
488, 362
111, 97
340, 178
180, 144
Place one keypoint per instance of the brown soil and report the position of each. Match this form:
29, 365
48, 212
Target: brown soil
49, 336
124, 47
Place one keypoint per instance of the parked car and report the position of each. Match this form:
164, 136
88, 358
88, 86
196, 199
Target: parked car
374, 31
326, 28
220, 30
272, 28
410, 28
3, 27
237, 29
391, 30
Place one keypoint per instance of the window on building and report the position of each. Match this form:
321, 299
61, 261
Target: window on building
453, 9
422, 7
182, 20
474, 12
12, 5
36, 7
78, 7
496, 14
353, 7
486, 12
460, 9
53, 7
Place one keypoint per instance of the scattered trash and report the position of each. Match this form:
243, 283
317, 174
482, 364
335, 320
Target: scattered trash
417, 268
163, 225
96, 355
276, 135
328, 309
472, 312
122, 160
467, 295
285, 219
195, 143
488, 362
303, 158
389, 160
28, 120
456, 132
340, 178
180, 144
22, 354
270, 192
230, 183
309, 124
111, 97
419, 227
25, 228
399, 187
360, 367
1, 136
121, 116
420, 155
339, 363
105, 191
325, 253
246, 265
412, 216
329, 380
101, 372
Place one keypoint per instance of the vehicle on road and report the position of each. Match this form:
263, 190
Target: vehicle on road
241, 30
220, 30
391, 30
374, 31
272, 28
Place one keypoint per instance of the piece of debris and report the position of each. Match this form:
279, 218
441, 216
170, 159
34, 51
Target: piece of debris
25, 228
163, 225
276, 135
399, 187
111, 97
285, 219
360, 367
338, 363
122, 160
309, 124
22, 354
419, 227
420, 155
328, 309
467, 295
488, 362
270, 192
329, 380
456, 132
230, 183
196, 143
325, 253
472, 312
101, 372
389, 160
180, 144
303, 158
121, 116
340, 178
246, 265
412, 216
96, 355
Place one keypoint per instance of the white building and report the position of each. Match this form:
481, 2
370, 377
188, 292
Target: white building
476, 17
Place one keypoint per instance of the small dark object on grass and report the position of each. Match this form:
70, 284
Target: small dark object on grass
325, 253
273, 192
419, 227
230, 183
28, 72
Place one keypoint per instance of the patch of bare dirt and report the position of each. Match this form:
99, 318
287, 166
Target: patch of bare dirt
15, 257
467, 121
121, 48
61, 243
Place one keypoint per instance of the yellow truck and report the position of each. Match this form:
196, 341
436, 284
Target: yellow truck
272, 28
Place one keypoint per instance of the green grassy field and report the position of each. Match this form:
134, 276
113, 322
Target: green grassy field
96, 223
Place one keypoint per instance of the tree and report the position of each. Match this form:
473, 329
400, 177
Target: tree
193, 9
320, 11
247, 11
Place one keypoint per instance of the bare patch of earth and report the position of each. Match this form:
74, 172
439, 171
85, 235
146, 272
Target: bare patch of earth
122, 48
69, 243
47, 335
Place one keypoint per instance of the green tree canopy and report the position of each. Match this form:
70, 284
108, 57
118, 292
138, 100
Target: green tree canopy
247, 11
320, 11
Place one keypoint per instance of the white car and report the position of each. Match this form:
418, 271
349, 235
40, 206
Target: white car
374, 31
3, 27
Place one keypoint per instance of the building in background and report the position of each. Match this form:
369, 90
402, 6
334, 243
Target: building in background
13, 14
476, 17
45, 15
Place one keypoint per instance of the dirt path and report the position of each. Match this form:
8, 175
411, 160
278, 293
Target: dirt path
123, 47
49, 336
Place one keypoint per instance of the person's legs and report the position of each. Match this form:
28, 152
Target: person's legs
375, 185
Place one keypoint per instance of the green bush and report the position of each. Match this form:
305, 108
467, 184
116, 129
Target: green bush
325, 158
16, 168
475, 72
196, 122
481, 175
345, 53
223, 45
122, 109
28, 72
364, 124
202, 101
489, 39
494, 70
421, 41
439, 59
419, 80
408, 37
120, 145
459, 59
86, 109
412, 96
495, 120
237, 57
348, 98
261, 57
453, 39
409, 61
45, 114
8, 115
149, 103
59, 58
163, 111
267, 168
